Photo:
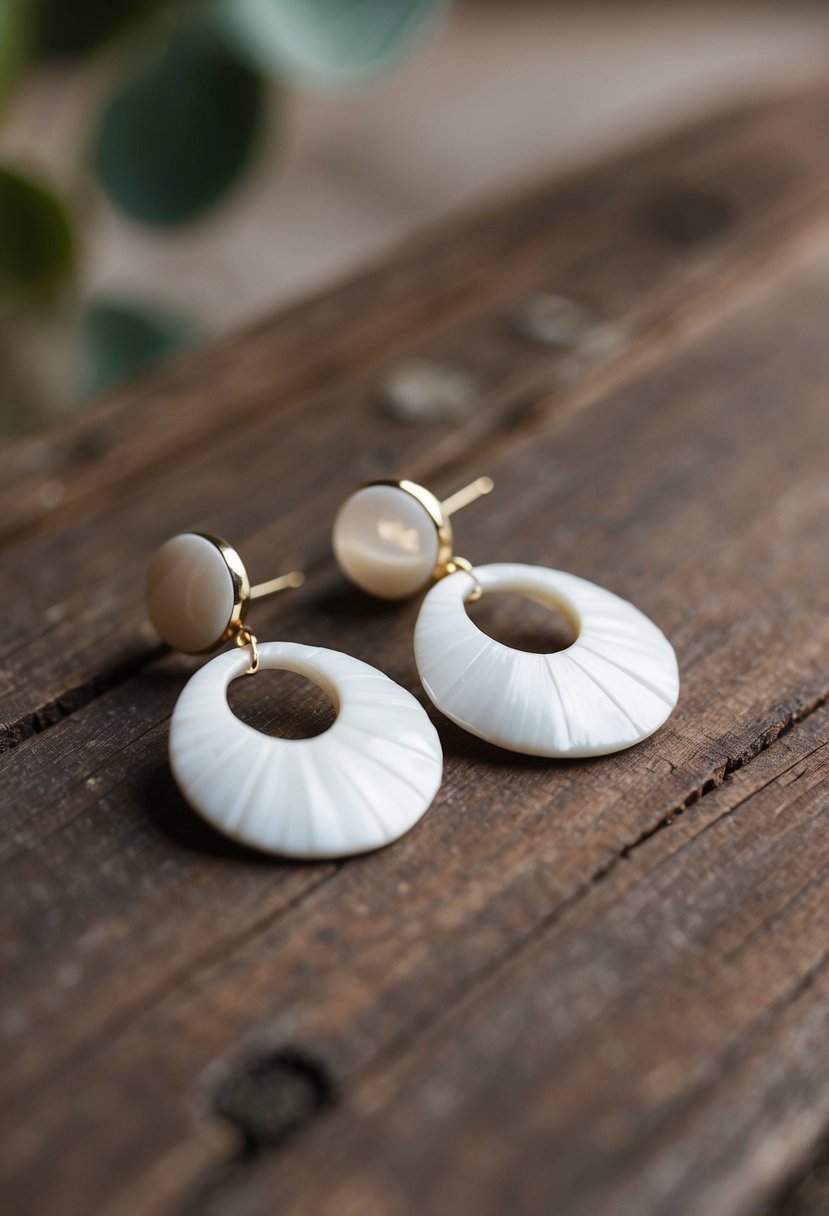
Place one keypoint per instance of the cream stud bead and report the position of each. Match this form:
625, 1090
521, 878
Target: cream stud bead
198, 591
190, 593
391, 538
385, 542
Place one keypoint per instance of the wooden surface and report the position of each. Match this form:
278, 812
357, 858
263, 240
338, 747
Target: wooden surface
597, 988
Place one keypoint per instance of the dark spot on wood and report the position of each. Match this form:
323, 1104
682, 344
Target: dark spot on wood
690, 217
269, 1096
90, 446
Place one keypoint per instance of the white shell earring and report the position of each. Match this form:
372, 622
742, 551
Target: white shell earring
359, 785
612, 687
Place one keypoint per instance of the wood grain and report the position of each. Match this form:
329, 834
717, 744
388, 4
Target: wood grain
589, 987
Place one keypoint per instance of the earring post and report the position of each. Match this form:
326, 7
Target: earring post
295, 578
468, 494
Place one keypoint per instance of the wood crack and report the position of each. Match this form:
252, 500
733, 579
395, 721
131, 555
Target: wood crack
722, 772
50, 714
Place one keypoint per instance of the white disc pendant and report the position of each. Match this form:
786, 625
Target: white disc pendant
615, 685
359, 785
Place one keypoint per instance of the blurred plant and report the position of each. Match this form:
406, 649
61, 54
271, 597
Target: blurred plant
169, 143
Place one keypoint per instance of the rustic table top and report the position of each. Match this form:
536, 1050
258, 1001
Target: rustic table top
595, 988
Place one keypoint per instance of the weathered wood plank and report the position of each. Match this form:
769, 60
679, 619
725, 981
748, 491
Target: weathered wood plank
357, 966
649, 246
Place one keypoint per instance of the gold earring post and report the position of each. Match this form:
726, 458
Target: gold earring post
295, 578
469, 494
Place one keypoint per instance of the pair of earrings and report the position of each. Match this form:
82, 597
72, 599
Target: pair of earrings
371, 776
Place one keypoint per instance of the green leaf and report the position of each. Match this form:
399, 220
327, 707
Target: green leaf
73, 27
14, 42
327, 43
37, 247
176, 137
121, 337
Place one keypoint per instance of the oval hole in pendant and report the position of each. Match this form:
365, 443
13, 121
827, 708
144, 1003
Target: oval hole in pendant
524, 624
282, 704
